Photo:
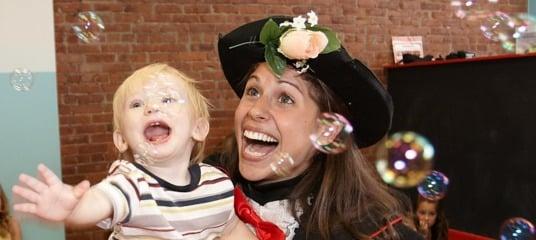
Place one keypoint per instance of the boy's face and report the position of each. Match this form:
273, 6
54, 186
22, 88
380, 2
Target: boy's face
157, 121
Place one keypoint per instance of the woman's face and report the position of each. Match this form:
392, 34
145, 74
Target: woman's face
275, 115
427, 213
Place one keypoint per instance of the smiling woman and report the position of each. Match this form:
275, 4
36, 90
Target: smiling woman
323, 196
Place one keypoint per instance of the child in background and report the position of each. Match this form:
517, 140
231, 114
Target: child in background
163, 191
9, 227
430, 219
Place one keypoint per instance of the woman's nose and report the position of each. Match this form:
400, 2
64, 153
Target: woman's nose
260, 110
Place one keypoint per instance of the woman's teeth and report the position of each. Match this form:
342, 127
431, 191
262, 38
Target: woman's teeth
259, 136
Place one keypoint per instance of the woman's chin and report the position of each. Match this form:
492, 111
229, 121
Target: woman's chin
255, 173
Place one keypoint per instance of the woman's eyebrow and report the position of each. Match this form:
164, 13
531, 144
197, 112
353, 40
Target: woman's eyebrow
254, 77
291, 84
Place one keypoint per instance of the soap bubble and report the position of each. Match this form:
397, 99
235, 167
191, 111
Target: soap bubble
89, 27
434, 186
332, 134
21, 79
145, 154
282, 164
517, 229
505, 28
404, 159
473, 9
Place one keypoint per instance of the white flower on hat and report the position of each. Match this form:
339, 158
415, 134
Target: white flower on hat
312, 18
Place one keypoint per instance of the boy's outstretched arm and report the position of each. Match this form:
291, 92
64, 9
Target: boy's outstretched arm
52, 200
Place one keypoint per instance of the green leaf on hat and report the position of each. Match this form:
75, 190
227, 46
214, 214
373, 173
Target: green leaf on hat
333, 42
270, 32
276, 62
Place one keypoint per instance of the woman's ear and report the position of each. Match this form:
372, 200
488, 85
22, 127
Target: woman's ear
200, 130
120, 142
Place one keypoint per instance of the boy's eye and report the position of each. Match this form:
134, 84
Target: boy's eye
286, 99
168, 100
135, 104
252, 92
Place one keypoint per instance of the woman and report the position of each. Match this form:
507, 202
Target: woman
430, 219
9, 227
286, 76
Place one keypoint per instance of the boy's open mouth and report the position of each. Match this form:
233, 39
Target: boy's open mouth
157, 132
259, 144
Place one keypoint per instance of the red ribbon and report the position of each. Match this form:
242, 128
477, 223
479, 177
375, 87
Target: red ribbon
264, 230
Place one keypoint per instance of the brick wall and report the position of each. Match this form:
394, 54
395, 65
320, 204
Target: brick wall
184, 33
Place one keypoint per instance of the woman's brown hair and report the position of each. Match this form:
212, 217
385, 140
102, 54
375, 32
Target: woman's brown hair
344, 188
5, 216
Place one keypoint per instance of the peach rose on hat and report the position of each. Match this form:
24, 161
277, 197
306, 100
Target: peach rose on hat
297, 41
301, 44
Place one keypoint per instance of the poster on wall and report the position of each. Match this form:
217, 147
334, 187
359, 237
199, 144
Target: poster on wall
407, 44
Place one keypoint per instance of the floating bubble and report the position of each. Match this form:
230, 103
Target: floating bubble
434, 186
282, 164
21, 79
89, 27
161, 96
504, 28
517, 229
145, 154
332, 134
473, 9
404, 159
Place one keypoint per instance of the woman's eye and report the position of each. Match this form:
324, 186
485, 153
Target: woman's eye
168, 100
135, 104
286, 99
253, 92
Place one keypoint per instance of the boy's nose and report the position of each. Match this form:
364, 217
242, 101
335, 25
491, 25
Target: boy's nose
151, 108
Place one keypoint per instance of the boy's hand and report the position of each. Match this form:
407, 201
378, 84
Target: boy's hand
52, 199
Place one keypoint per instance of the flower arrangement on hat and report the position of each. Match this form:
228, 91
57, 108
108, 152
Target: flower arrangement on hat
298, 41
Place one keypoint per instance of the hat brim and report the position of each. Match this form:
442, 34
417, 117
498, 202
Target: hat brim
368, 102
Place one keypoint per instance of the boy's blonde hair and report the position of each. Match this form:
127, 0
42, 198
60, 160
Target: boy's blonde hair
140, 77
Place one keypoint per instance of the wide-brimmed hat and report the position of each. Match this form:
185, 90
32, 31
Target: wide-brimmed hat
369, 104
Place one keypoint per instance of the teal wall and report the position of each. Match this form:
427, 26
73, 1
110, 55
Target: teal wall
29, 135
532, 7
29, 131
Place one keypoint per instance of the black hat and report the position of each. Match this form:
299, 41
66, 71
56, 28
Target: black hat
370, 105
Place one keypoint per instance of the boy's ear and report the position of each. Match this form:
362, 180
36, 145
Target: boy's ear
120, 142
200, 130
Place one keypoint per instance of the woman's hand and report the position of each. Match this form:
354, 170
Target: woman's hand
51, 200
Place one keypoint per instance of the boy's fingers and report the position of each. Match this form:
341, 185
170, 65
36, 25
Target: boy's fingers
25, 207
49, 176
25, 193
81, 188
33, 183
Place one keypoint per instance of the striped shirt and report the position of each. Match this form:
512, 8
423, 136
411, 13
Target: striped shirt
148, 207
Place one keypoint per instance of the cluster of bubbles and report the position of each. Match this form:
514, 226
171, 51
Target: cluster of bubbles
89, 27
517, 229
505, 28
434, 186
404, 159
330, 137
21, 79
495, 25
